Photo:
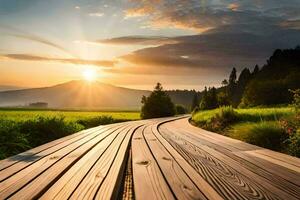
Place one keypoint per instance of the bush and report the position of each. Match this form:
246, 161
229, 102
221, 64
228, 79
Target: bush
264, 134
222, 119
293, 144
96, 121
45, 129
158, 104
180, 110
11, 140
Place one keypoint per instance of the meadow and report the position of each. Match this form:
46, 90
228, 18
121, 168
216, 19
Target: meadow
274, 128
69, 115
22, 129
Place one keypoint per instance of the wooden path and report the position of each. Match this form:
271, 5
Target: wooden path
150, 159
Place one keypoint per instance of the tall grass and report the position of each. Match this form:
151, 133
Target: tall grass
22, 129
273, 128
268, 134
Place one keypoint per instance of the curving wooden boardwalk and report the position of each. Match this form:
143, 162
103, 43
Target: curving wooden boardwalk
149, 159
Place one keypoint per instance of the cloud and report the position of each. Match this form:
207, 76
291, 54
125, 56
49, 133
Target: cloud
203, 15
139, 40
217, 50
97, 14
29, 36
28, 57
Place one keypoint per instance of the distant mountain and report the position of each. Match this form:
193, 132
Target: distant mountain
10, 87
81, 94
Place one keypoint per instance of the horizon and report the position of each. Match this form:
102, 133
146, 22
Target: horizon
135, 44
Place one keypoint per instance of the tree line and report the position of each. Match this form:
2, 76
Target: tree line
268, 85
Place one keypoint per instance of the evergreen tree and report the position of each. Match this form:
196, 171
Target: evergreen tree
203, 102
232, 77
231, 86
255, 70
209, 99
195, 102
158, 104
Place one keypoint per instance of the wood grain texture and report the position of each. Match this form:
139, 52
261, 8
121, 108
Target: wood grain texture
170, 158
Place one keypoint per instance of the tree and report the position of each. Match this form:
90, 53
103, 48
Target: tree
231, 85
232, 77
158, 104
224, 82
180, 109
223, 99
195, 102
204, 100
209, 99
255, 70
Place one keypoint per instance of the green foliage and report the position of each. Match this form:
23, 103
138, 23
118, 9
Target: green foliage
223, 99
96, 121
266, 134
158, 104
195, 101
12, 141
180, 109
45, 129
274, 128
296, 97
24, 129
209, 99
19, 114
293, 147
270, 85
220, 120
291, 126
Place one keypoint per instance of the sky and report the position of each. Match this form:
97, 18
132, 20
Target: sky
184, 44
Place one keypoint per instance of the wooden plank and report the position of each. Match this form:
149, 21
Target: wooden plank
65, 185
201, 183
40, 170
89, 186
31, 153
180, 183
252, 162
149, 183
6, 173
111, 186
227, 181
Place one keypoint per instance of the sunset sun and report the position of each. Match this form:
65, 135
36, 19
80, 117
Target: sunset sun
89, 75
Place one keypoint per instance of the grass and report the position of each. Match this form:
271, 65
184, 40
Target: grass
247, 115
21, 115
267, 134
24, 129
273, 128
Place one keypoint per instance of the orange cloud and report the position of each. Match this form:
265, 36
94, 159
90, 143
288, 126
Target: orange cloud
28, 57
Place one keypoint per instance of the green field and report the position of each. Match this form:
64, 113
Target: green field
21, 115
274, 128
22, 129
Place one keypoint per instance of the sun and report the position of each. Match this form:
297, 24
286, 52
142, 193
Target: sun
89, 75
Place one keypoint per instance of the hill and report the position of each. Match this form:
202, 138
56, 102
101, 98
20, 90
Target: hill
9, 87
81, 94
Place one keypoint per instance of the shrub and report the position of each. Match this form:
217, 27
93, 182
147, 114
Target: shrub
96, 121
180, 109
222, 119
45, 129
11, 140
264, 134
293, 144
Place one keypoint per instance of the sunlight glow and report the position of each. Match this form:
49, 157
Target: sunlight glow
89, 75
